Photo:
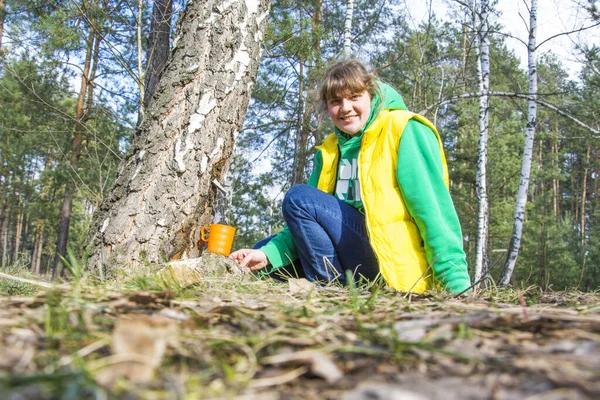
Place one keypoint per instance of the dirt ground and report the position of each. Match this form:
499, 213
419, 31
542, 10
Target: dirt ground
255, 339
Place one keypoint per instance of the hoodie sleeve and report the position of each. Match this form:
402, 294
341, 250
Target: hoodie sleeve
420, 176
281, 250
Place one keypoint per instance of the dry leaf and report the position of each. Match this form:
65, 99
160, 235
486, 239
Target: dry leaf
411, 330
139, 344
300, 287
320, 363
322, 366
182, 273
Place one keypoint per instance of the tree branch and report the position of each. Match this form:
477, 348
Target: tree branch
514, 95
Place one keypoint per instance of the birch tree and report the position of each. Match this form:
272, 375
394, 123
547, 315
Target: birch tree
165, 190
519, 218
482, 48
348, 30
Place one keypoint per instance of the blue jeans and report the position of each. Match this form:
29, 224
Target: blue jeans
330, 236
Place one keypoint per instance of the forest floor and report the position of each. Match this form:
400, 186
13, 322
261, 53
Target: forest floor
234, 336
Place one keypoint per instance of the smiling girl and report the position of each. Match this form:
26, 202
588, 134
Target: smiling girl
377, 201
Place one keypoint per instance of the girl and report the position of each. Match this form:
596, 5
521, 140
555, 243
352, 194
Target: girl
377, 200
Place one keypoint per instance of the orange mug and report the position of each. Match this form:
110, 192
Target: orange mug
220, 238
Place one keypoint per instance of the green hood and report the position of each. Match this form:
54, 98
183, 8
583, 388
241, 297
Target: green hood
391, 101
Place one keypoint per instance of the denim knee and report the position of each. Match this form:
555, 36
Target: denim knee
294, 198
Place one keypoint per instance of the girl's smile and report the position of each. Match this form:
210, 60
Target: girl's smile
350, 113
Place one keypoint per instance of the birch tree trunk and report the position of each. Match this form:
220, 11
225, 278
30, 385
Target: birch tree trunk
164, 192
515, 241
584, 191
482, 49
348, 29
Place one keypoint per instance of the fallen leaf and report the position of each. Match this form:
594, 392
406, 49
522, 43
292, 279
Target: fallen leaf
320, 363
139, 344
300, 287
181, 273
323, 367
411, 330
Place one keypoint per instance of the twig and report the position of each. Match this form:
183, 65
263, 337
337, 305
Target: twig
278, 380
87, 350
333, 269
43, 284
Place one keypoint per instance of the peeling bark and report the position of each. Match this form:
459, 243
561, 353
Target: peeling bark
163, 194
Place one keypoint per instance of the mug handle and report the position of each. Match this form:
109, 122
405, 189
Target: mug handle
203, 233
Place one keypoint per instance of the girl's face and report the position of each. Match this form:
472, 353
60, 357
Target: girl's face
350, 113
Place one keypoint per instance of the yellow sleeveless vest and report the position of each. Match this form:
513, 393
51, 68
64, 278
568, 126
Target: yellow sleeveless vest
393, 234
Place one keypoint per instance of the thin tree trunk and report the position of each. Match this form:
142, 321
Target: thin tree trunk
574, 197
306, 98
38, 241
164, 192
555, 184
18, 229
348, 30
4, 235
317, 21
515, 241
2, 17
584, 198
465, 56
299, 149
140, 67
312, 106
483, 69
67, 205
38, 245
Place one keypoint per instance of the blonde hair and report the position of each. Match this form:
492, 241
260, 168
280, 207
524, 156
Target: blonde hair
344, 78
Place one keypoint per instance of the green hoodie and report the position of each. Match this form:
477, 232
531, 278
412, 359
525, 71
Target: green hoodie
423, 189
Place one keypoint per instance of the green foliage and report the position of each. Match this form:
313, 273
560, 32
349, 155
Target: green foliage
36, 132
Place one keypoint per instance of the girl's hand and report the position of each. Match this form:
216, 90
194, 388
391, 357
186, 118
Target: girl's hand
250, 258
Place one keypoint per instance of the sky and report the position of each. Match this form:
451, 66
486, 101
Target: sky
554, 17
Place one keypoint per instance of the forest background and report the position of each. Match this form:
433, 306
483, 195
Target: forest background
74, 75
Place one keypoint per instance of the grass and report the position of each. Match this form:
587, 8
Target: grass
15, 288
231, 335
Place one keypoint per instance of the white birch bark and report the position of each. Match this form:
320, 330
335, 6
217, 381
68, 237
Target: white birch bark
164, 192
515, 241
348, 29
482, 49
